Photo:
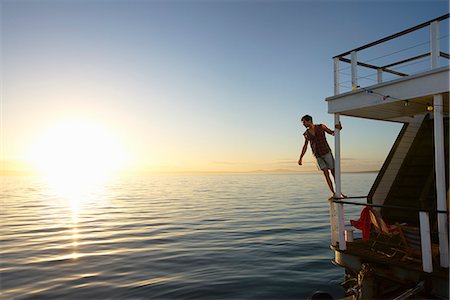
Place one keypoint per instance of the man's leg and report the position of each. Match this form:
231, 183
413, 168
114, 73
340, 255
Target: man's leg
326, 173
334, 179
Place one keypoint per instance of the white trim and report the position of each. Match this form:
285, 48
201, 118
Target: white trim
341, 227
439, 159
333, 224
425, 242
337, 154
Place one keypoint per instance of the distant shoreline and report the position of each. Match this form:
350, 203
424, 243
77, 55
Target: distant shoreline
256, 172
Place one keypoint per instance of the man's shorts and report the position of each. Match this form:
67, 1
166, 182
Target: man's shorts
325, 161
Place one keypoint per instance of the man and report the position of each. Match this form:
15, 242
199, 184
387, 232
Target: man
315, 135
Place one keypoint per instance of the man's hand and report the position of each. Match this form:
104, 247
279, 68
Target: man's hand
338, 126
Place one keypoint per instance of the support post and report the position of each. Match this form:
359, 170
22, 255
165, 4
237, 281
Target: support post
425, 241
337, 153
379, 76
341, 227
354, 62
439, 159
333, 223
434, 44
337, 179
336, 75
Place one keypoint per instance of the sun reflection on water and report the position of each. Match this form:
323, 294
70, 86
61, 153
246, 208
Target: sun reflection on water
75, 235
72, 200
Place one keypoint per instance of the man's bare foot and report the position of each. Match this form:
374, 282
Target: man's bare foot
343, 196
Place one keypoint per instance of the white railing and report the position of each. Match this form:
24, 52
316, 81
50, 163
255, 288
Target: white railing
434, 53
338, 228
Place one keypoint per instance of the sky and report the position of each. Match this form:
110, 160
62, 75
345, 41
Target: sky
184, 86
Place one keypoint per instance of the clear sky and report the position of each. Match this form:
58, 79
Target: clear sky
185, 85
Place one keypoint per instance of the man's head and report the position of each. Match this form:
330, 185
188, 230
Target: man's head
307, 120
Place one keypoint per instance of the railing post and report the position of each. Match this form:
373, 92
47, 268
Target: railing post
439, 158
434, 44
341, 227
336, 75
379, 76
425, 241
354, 62
333, 223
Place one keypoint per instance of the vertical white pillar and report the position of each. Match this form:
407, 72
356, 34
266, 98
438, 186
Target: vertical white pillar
425, 241
341, 227
337, 169
439, 159
337, 153
379, 76
336, 75
354, 62
333, 223
434, 44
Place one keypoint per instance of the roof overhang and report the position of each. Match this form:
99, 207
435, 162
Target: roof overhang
397, 100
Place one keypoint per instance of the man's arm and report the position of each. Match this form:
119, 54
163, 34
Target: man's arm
305, 146
329, 131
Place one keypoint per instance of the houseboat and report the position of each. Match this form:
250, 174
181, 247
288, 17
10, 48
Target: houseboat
402, 250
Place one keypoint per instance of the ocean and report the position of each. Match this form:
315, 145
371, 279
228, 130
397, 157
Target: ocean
220, 236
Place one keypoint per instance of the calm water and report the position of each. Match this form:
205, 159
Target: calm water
171, 237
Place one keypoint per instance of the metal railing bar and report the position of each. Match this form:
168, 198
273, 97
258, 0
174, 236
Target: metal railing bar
403, 50
395, 35
399, 51
345, 86
414, 63
346, 74
390, 206
373, 67
445, 55
407, 60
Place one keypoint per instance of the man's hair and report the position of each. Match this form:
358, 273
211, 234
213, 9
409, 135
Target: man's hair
307, 118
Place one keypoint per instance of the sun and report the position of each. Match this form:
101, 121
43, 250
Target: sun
77, 154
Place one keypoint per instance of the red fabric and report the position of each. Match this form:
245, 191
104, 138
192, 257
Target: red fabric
364, 222
318, 141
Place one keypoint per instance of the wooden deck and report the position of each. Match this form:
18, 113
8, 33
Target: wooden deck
381, 254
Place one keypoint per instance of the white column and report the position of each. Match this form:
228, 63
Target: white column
434, 44
337, 153
333, 223
439, 159
336, 75
341, 227
425, 241
354, 62
379, 76
337, 169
